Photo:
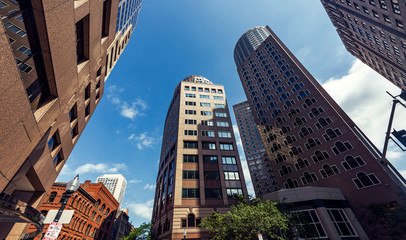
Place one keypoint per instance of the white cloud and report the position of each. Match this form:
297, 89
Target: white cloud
361, 93
134, 181
99, 168
143, 210
127, 110
149, 186
143, 140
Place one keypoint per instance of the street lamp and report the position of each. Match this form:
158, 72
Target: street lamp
71, 187
184, 234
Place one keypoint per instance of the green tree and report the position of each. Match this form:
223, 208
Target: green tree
246, 219
140, 233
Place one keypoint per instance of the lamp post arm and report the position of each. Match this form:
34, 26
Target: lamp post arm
388, 132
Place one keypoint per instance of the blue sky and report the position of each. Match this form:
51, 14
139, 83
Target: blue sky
178, 38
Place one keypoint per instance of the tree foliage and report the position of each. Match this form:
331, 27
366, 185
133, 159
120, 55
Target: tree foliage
246, 219
140, 233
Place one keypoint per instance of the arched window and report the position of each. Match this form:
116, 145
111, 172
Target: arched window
280, 158
291, 183
290, 139
295, 151
340, 147
285, 170
97, 203
191, 220
328, 170
52, 197
308, 178
102, 207
312, 142
320, 156
352, 162
107, 211
365, 180
301, 163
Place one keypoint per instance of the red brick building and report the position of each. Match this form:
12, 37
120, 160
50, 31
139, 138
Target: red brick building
95, 210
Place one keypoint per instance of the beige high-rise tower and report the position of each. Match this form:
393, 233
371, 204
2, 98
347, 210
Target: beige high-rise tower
199, 170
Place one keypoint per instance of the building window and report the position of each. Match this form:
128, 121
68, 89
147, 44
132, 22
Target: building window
231, 176
320, 156
187, 88
209, 145
190, 95
190, 103
75, 131
312, 142
191, 112
364, 180
73, 113
190, 132
352, 162
205, 113
204, 96
340, 147
224, 134
87, 110
82, 39
220, 114
189, 144
207, 123
234, 192
210, 159
341, 223
399, 23
322, 122
228, 160
330, 134
51, 197
190, 193
190, 121
222, 124
191, 158
226, 146
285, 170
204, 104
308, 178
301, 163
190, 174
206, 133
291, 183
310, 219
212, 175
213, 193
329, 170
106, 18
54, 141
216, 105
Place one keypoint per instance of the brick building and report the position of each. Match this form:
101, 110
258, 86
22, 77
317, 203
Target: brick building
55, 58
95, 210
374, 32
309, 139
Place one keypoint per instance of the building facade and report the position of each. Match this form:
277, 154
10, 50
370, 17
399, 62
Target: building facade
199, 169
94, 208
262, 176
374, 32
116, 184
122, 226
309, 139
53, 66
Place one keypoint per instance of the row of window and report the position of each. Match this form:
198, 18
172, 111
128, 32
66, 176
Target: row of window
192, 95
209, 192
205, 113
210, 175
208, 145
199, 89
207, 133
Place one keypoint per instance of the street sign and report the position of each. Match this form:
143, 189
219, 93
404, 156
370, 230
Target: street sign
400, 136
65, 218
260, 236
53, 230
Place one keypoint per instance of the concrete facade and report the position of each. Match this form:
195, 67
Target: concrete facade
262, 176
374, 32
199, 169
309, 139
116, 184
53, 65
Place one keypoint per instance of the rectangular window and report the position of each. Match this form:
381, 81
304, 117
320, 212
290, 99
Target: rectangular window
190, 121
233, 192
193, 88
54, 142
218, 98
226, 146
228, 160
222, 124
87, 92
190, 193
206, 133
231, 176
187, 88
205, 113
212, 175
189, 103
207, 122
210, 159
212, 192
216, 105
220, 114
75, 131
341, 223
224, 134
192, 112
106, 18
82, 39
189, 144
209, 145
191, 132
190, 95
191, 158
87, 110
206, 90
205, 96
73, 113
213, 90
200, 89
220, 91
310, 218
192, 174
204, 104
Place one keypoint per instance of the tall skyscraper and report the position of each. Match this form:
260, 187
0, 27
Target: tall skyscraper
116, 184
374, 32
309, 139
199, 168
262, 176
54, 62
